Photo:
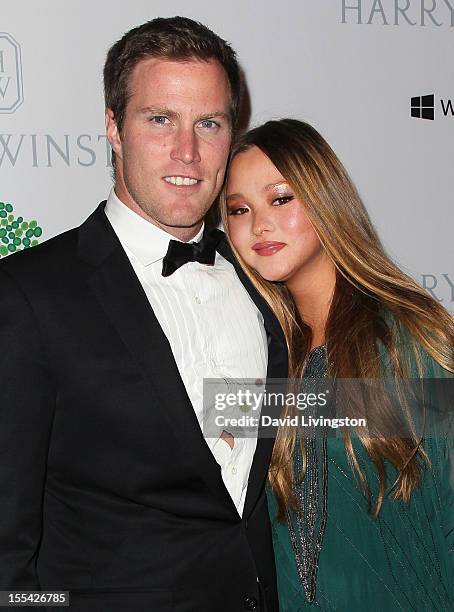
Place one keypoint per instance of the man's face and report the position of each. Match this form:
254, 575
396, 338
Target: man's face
173, 146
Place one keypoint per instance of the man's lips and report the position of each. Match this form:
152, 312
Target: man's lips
268, 248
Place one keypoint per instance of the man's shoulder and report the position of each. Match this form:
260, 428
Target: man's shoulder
51, 253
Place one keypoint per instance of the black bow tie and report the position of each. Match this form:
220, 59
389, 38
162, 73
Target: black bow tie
180, 253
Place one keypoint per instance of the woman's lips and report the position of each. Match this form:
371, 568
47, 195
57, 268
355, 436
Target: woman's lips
268, 248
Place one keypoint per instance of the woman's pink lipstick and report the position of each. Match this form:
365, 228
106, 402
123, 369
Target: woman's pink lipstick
268, 248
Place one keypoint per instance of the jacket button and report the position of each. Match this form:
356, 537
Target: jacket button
250, 603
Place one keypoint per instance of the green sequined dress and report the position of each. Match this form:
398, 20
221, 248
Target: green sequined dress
401, 561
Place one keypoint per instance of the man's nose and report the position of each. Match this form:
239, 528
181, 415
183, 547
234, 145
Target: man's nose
185, 147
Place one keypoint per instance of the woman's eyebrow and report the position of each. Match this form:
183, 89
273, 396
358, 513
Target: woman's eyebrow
273, 185
231, 196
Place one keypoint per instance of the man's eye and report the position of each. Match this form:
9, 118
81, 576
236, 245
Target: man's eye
235, 212
283, 200
209, 124
159, 119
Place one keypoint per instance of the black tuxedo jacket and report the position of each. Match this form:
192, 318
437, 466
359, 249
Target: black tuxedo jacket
107, 486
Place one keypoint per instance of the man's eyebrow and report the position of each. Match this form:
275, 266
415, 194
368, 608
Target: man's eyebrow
220, 114
159, 110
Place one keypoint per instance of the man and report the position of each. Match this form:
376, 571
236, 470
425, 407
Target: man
108, 487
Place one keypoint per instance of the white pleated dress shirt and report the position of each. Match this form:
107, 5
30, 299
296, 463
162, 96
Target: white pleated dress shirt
213, 326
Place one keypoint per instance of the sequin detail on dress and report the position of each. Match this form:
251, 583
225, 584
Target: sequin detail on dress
307, 524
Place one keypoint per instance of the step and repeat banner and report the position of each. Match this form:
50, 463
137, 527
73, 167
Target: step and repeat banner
374, 76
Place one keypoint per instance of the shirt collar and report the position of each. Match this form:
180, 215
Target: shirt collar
147, 242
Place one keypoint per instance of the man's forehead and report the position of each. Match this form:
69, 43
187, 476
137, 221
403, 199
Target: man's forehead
164, 82
162, 66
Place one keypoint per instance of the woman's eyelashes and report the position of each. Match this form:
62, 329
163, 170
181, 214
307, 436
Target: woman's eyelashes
236, 211
241, 210
283, 199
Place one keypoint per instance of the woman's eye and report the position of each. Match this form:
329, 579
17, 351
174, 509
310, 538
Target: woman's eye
235, 212
283, 200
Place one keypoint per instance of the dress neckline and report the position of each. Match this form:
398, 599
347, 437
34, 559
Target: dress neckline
317, 348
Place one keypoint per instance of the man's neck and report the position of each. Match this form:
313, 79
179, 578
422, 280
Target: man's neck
185, 234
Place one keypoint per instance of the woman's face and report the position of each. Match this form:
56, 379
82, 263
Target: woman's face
266, 223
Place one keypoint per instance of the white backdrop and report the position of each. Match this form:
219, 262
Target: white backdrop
350, 67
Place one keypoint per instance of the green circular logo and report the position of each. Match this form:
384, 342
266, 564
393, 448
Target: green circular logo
15, 233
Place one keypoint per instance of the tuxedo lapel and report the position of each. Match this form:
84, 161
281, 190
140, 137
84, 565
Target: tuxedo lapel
118, 290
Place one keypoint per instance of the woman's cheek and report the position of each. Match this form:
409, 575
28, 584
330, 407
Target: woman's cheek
236, 237
295, 221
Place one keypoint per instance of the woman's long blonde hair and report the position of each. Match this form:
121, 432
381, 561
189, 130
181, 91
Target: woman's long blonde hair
374, 304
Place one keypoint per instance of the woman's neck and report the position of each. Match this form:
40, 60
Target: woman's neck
312, 289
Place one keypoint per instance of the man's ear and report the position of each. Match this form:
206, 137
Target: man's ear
113, 135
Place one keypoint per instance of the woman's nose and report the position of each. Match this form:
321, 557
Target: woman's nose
262, 223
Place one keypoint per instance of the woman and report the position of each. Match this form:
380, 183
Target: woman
361, 522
